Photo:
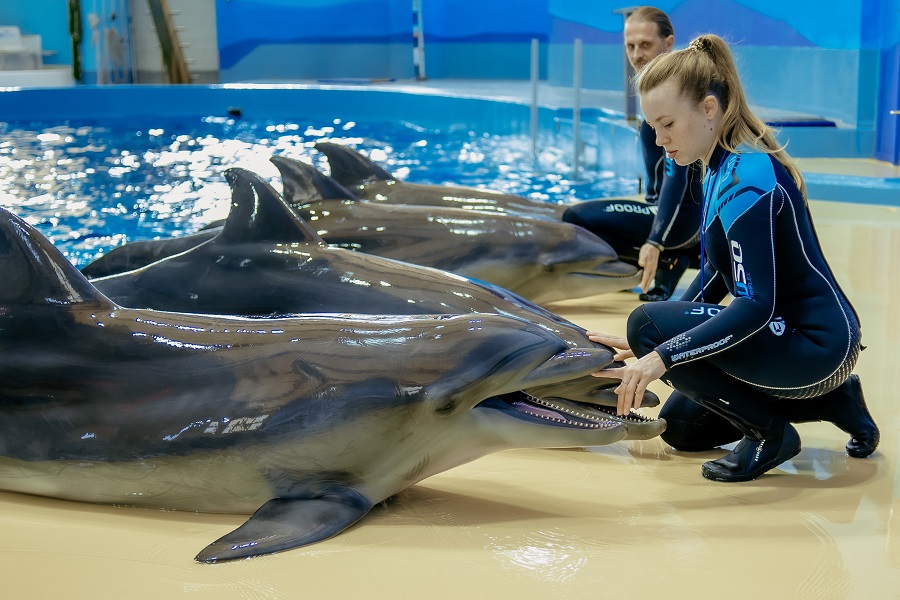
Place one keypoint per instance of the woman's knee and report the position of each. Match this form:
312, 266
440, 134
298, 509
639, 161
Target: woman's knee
642, 333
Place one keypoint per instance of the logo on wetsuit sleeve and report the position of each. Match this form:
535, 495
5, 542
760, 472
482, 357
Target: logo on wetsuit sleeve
741, 285
631, 208
778, 326
670, 167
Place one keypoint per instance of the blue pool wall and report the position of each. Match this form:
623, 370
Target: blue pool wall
261, 102
609, 143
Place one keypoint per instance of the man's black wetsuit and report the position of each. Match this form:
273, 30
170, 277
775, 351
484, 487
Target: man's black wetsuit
656, 165
789, 331
669, 219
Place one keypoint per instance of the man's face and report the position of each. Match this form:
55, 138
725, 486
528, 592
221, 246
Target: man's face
643, 42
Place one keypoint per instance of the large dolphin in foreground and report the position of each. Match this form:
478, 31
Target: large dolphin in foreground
267, 261
307, 422
542, 260
369, 181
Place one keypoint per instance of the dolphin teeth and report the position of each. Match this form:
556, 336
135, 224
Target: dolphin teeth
632, 416
589, 421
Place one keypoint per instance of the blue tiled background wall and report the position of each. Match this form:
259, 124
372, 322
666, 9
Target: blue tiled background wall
837, 59
830, 58
465, 38
801, 55
311, 39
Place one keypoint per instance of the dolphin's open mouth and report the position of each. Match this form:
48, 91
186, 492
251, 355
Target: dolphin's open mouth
556, 411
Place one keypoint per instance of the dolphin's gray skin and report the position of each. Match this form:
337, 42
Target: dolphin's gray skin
368, 181
542, 260
267, 261
308, 421
135, 255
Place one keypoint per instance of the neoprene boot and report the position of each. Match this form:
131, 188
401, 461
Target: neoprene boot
668, 273
845, 407
769, 440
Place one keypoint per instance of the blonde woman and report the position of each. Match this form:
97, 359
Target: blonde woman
784, 348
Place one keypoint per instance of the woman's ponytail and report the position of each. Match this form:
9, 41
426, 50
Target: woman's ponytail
707, 67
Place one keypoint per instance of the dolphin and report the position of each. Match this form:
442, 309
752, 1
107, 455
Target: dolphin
544, 261
307, 421
369, 181
266, 261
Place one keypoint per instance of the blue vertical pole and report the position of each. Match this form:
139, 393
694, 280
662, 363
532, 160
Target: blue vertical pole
576, 109
419, 40
535, 74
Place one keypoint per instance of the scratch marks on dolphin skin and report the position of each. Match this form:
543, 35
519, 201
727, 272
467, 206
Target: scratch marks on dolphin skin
415, 473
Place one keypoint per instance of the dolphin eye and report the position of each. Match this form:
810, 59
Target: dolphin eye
446, 408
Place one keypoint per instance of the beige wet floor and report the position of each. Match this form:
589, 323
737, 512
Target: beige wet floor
630, 520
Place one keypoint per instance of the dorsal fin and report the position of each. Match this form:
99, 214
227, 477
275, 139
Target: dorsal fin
304, 183
349, 167
259, 213
34, 271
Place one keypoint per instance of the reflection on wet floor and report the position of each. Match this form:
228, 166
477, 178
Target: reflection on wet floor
629, 520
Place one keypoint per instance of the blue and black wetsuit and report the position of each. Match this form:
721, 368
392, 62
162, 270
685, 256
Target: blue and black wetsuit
789, 331
669, 219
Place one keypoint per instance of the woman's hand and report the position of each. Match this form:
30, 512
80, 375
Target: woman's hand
648, 258
635, 379
613, 341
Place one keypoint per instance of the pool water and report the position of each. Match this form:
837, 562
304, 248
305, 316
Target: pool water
90, 186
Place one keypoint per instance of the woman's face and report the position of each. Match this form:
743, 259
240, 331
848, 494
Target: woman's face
686, 130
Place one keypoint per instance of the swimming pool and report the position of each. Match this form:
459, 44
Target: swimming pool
93, 168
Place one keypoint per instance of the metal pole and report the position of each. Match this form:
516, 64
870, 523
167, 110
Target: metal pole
630, 97
576, 109
419, 36
535, 73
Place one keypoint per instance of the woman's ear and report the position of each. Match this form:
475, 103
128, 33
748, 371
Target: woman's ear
710, 106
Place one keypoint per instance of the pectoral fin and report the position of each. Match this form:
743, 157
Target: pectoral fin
283, 523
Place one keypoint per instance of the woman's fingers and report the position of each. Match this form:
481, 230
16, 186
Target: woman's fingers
622, 398
623, 355
613, 373
631, 388
630, 394
635, 379
613, 341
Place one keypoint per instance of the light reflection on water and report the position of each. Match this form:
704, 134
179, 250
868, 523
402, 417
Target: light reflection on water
91, 186
547, 555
